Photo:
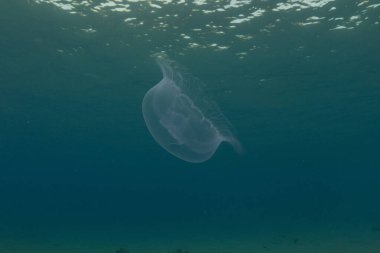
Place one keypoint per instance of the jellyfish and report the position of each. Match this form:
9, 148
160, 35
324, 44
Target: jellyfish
180, 117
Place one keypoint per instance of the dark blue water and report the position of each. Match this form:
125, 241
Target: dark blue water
81, 173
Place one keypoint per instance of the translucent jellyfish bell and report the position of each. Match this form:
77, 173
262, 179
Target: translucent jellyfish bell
180, 119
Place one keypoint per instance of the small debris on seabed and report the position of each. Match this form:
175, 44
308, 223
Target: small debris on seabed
122, 250
180, 251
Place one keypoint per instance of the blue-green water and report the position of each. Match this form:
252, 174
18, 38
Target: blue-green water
299, 81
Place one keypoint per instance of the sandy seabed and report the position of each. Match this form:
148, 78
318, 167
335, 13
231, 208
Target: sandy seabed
360, 240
